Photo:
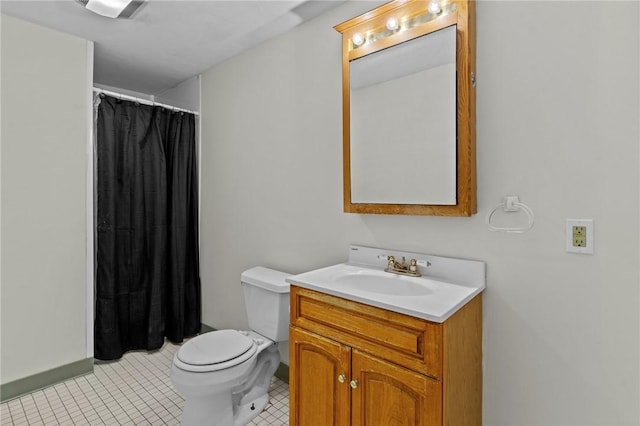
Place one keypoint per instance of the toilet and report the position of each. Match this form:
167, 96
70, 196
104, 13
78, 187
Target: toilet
224, 375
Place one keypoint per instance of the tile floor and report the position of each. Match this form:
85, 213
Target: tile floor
136, 390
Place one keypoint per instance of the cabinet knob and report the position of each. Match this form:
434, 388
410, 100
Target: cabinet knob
354, 383
342, 378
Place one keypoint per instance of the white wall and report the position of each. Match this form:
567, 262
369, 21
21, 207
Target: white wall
44, 130
558, 112
185, 95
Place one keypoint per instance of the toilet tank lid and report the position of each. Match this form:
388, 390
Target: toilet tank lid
266, 278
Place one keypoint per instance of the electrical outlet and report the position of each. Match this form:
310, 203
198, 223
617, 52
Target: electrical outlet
580, 236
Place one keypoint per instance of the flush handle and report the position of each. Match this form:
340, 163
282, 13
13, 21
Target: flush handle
342, 378
354, 384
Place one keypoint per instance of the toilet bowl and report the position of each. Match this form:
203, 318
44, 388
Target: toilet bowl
224, 375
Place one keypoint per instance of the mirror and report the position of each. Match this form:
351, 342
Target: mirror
401, 95
409, 109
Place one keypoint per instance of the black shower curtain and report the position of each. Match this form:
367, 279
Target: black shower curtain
147, 267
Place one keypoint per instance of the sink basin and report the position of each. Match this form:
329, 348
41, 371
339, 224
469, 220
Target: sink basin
380, 282
443, 288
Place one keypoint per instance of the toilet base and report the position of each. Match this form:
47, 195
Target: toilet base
236, 406
250, 410
218, 412
215, 409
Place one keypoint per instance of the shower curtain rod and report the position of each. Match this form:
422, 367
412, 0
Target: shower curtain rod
142, 101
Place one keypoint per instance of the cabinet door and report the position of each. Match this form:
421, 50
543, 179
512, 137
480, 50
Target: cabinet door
319, 381
387, 394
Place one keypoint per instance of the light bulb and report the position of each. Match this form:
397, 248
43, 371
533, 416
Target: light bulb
392, 24
434, 7
357, 39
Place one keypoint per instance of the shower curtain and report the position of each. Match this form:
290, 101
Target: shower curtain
147, 265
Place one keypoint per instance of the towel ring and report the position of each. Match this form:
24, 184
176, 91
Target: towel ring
511, 203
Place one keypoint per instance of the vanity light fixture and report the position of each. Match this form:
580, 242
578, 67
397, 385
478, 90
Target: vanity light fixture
112, 8
357, 39
434, 7
393, 24
396, 23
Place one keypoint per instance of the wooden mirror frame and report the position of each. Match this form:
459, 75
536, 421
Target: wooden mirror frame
374, 21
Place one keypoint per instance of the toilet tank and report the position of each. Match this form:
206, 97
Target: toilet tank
266, 296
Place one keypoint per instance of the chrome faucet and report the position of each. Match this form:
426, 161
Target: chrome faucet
402, 268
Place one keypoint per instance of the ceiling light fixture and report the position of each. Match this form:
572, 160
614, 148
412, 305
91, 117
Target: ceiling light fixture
113, 8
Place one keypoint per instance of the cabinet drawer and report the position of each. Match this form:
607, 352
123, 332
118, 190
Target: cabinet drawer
412, 342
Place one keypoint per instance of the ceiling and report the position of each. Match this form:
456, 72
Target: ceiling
166, 42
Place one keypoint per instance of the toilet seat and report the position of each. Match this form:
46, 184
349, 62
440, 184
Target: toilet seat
215, 351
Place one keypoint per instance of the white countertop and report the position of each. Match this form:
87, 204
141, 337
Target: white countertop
431, 297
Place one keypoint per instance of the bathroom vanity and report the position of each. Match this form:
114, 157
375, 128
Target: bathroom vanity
363, 355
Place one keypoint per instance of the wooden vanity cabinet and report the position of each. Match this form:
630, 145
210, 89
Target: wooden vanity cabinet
355, 364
